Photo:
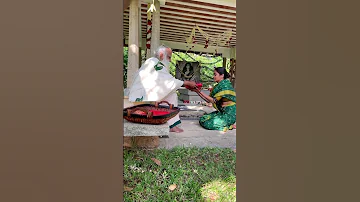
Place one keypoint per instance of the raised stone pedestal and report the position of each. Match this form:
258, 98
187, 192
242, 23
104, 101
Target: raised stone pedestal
138, 129
143, 135
189, 95
152, 142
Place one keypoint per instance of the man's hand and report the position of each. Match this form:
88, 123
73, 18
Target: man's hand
191, 84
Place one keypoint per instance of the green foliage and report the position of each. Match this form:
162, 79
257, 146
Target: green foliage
126, 56
207, 63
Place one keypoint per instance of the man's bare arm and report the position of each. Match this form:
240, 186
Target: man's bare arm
191, 84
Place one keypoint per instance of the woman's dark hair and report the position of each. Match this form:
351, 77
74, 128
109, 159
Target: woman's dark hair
222, 71
191, 69
188, 64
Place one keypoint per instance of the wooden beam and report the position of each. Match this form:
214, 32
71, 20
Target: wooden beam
203, 7
227, 4
197, 14
192, 21
187, 27
196, 52
126, 4
191, 15
214, 9
224, 51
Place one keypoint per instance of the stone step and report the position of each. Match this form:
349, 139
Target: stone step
193, 112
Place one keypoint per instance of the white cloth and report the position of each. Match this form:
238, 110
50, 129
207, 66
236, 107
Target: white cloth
153, 82
172, 98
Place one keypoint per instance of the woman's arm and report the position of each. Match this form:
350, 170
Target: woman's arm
204, 96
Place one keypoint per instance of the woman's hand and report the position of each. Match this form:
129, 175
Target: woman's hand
225, 104
196, 90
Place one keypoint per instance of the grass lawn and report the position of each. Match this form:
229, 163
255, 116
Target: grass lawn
180, 174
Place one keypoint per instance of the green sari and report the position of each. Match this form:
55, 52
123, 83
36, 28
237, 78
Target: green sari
223, 118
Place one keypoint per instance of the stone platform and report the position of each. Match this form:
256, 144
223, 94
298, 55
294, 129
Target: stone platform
196, 136
193, 112
191, 96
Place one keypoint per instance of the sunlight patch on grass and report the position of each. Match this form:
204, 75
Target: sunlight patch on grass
219, 190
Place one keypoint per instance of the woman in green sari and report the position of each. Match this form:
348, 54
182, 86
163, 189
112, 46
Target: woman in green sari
223, 99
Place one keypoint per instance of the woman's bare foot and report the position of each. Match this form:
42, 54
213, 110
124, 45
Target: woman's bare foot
176, 130
234, 126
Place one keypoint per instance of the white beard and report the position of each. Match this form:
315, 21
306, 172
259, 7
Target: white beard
166, 64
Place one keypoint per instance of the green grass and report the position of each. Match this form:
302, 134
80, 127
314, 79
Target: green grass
206, 174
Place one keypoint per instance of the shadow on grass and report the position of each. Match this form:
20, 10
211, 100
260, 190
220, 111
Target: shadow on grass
200, 174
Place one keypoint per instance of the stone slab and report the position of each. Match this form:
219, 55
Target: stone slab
196, 136
195, 111
138, 129
183, 97
189, 92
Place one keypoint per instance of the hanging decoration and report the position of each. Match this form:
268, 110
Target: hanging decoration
191, 38
206, 43
222, 39
228, 42
205, 35
152, 7
149, 26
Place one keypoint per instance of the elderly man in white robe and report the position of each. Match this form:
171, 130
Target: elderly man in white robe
153, 82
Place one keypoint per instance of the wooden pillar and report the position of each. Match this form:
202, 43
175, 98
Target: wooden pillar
133, 60
232, 71
224, 62
140, 36
155, 34
140, 57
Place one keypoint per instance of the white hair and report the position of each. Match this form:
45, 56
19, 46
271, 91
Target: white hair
161, 49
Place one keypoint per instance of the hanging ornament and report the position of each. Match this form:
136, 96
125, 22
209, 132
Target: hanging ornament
205, 35
152, 8
227, 36
191, 38
206, 43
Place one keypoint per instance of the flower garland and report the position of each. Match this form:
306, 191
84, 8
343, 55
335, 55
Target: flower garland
191, 39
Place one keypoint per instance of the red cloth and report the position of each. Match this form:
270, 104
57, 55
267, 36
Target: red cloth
199, 86
154, 112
